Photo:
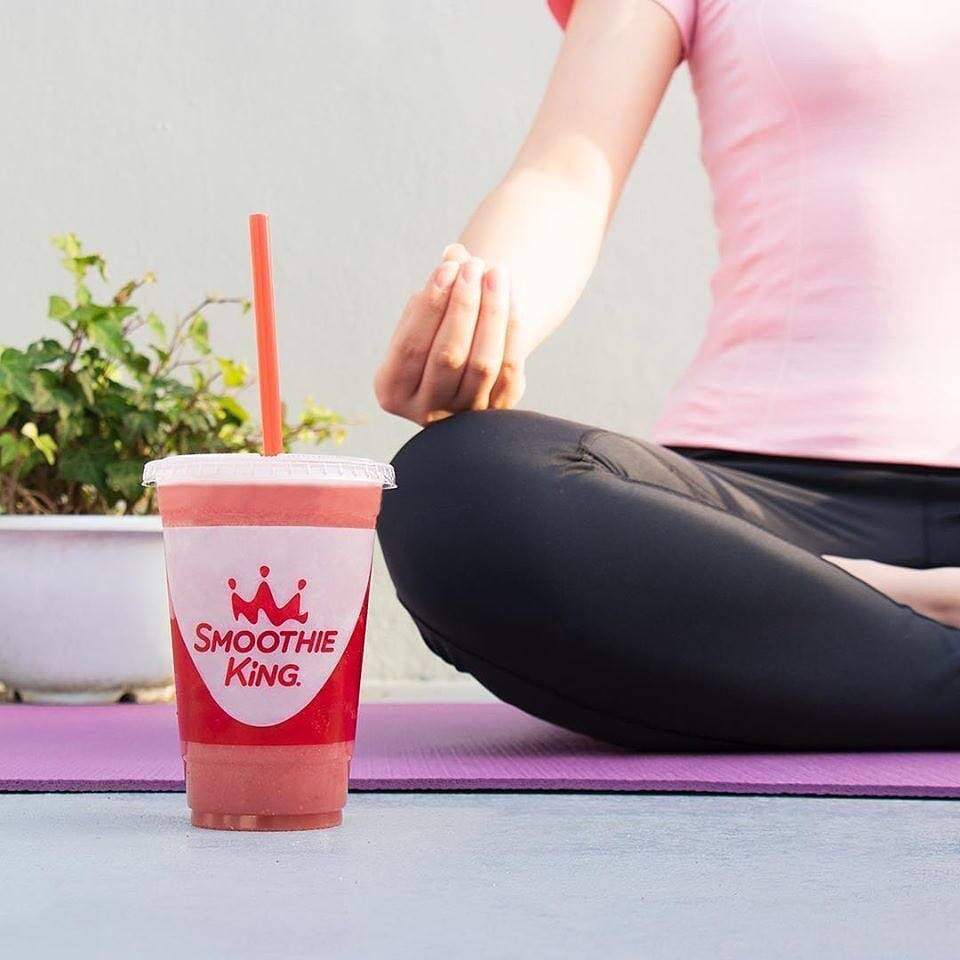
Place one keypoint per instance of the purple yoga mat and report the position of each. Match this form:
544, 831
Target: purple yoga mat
484, 746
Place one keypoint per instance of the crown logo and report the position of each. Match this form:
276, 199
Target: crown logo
264, 602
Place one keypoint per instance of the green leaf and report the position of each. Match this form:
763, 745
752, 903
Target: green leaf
234, 374
79, 265
69, 243
199, 333
121, 312
138, 362
45, 351
232, 409
125, 477
83, 295
11, 449
86, 312
114, 402
197, 422
138, 425
87, 462
58, 308
15, 373
42, 441
8, 407
162, 355
74, 265
72, 427
156, 325
87, 382
175, 390
68, 403
97, 262
107, 334
43, 399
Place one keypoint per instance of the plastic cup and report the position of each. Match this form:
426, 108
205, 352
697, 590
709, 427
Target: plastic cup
268, 574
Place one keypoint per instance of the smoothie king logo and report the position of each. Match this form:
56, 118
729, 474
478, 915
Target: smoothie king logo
243, 645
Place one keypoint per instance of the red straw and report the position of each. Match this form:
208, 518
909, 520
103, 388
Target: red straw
269, 371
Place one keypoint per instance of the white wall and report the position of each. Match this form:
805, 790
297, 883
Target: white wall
367, 129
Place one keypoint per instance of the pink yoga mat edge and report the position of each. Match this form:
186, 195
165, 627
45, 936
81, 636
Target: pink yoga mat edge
447, 747
91, 786
517, 786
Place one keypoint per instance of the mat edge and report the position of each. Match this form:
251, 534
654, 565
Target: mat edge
476, 785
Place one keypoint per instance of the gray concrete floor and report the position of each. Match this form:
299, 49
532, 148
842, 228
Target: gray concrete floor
495, 875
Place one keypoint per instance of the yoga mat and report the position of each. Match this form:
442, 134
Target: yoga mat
415, 746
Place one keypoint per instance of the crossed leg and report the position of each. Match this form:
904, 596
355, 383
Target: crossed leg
622, 590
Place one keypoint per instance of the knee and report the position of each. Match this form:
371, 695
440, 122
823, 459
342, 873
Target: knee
476, 434
457, 492
437, 471
422, 519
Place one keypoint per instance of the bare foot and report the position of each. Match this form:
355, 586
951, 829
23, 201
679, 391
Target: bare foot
935, 593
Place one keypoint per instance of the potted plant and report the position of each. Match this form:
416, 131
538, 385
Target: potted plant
84, 613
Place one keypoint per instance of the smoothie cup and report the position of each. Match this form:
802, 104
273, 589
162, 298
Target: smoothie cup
268, 574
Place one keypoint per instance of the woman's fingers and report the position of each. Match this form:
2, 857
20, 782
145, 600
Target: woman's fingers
400, 374
451, 345
457, 345
455, 251
511, 381
486, 352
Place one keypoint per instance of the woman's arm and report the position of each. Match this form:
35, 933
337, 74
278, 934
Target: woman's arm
529, 249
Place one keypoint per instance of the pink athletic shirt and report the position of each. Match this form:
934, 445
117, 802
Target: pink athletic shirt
831, 135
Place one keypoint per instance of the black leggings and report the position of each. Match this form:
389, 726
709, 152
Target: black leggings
675, 599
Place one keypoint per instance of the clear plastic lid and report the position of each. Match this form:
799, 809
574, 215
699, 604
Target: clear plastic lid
253, 468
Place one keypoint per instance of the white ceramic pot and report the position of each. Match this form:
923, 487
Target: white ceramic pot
83, 609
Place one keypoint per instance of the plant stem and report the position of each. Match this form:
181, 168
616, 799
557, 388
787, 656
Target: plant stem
177, 339
37, 502
73, 349
11, 494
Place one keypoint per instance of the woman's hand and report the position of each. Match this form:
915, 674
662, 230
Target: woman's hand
456, 346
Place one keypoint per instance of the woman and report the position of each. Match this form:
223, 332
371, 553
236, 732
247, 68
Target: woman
776, 568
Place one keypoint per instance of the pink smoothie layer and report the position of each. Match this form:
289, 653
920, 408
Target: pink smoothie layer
259, 504
255, 787
266, 788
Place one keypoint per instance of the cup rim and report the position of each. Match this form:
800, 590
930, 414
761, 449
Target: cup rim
255, 468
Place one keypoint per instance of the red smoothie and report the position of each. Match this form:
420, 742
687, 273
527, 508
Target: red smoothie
268, 570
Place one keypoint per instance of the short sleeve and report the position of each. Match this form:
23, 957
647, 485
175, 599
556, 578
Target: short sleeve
684, 13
